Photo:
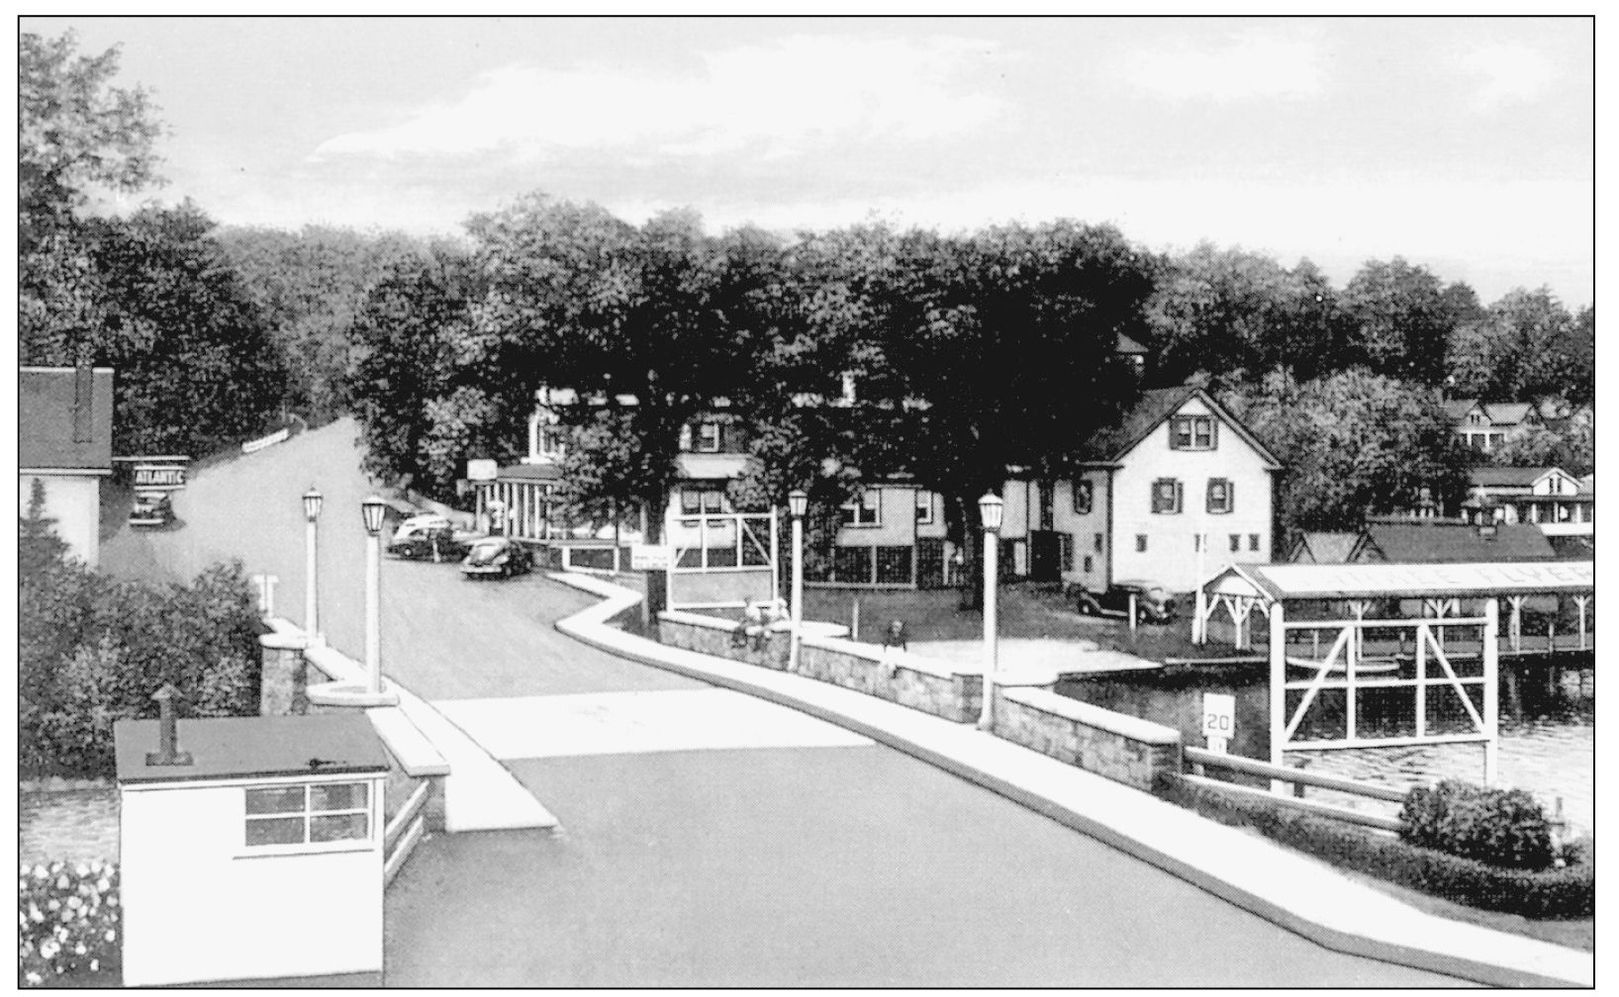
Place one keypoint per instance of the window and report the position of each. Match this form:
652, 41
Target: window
1253, 541
863, 511
307, 814
1088, 564
1166, 496
1219, 500
1475, 419
1141, 543
1098, 538
1236, 542
694, 501
1065, 546
1046, 494
709, 437
924, 507
548, 442
1084, 496
1192, 432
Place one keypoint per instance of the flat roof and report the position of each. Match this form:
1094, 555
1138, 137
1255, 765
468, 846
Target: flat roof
1284, 582
241, 747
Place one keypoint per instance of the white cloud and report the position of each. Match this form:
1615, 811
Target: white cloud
1241, 65
777, 99
1510, 74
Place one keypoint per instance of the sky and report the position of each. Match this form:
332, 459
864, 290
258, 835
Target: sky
1465, 144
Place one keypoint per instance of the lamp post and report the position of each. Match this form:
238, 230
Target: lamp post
990, 509
371, 511
312, 501
797, 505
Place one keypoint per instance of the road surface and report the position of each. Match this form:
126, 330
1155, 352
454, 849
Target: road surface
707, 839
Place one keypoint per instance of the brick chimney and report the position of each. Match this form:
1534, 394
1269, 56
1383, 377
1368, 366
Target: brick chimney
84, 385
168, 731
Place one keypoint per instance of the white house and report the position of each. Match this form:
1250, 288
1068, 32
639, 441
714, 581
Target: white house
250, 848
64, 442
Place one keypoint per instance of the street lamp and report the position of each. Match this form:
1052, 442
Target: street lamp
990, 509
312, 501
371, 511
797, 505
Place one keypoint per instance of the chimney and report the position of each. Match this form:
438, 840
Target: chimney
84, 383
168, 731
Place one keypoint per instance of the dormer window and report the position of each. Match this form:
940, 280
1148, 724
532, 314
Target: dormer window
865, 510
548, 442
1475, 419
709, 437
1192, 432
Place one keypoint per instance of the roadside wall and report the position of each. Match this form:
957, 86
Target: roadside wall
1112, 745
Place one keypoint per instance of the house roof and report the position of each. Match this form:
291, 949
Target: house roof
1456, 408
1325, 548
1124, 344
47, 399
529, 472
1508, 413
711, 466
1149, 412
1428, 541
243, 747
1281, 582
1505, 477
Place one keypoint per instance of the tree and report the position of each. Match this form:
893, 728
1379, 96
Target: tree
1401, 320
38, 546
1353, 444
309, 285
77, 134
408, 364
1568, 443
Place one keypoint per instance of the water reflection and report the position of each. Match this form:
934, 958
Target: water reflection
1547, 721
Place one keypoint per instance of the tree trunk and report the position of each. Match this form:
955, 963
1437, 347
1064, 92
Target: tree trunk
657, 582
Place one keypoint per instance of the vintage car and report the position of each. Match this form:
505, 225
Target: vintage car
151, 511
438, 544
497, 557
1154, 604
418, 526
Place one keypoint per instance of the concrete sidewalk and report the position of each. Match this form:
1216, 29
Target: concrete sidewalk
1290, 889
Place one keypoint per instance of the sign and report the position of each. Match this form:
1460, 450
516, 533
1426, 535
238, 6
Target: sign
651, 557
481, 470
153, 477
1219, 719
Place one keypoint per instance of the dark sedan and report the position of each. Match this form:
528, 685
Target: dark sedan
497, 557
1153, 602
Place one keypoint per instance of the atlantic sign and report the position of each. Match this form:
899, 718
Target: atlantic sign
159, 475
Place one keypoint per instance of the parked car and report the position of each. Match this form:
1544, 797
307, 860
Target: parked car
418, 526
499, 557
439, 544
151, 511
1154, 604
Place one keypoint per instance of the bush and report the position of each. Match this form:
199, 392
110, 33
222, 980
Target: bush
67, 921
1553, 893
92, 651
1499, 827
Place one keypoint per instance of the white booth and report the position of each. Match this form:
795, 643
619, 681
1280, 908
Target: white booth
251, 847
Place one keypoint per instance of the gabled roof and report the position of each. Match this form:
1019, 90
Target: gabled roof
1508, 413
1506, 477
1324, 548
1124, 344
48, 405
1456, 408
1150, 411
1430, 541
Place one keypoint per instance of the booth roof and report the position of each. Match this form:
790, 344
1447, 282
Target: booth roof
1285, 582
239, 747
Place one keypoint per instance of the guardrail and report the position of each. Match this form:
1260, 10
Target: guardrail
1202, 758
253, 446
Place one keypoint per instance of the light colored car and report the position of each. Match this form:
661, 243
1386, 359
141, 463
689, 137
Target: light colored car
419, 525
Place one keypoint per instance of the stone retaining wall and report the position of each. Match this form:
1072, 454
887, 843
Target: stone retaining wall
1118, 747
719, 637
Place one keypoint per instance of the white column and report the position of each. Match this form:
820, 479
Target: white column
311, 601
373, 612
798, 592
1581, 601
1278, 687
1492, 706
986, 715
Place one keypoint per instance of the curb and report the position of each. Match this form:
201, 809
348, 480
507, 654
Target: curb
580, 625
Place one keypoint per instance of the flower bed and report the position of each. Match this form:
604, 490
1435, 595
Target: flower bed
68, 922
1555, 893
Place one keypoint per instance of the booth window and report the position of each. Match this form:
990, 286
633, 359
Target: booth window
863, 511
307, 814
924, 508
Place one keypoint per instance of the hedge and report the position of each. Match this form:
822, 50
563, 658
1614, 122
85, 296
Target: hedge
67, 922
1568, 892
1499, 827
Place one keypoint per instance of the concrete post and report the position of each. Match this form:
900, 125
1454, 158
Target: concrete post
986, 714
1492, 705
311, 601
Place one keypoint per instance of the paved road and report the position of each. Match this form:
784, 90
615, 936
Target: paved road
707, 839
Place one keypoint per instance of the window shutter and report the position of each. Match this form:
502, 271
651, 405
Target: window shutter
1179, 500
685, 438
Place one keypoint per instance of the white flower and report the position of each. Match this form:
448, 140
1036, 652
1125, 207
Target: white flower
53, 904
79, 949
49, 948
35, 914
102, 885
40, 873
75, 902
112, 935
34, 979
81, 870
63, 883
95, 965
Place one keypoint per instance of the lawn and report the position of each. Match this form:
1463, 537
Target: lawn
1025, 610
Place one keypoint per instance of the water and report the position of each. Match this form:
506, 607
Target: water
1547, 728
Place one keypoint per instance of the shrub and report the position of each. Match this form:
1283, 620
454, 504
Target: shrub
1499, 827
1554, 893
67, 921
92, 651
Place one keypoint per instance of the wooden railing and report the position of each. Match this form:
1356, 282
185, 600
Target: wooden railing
1201, 758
